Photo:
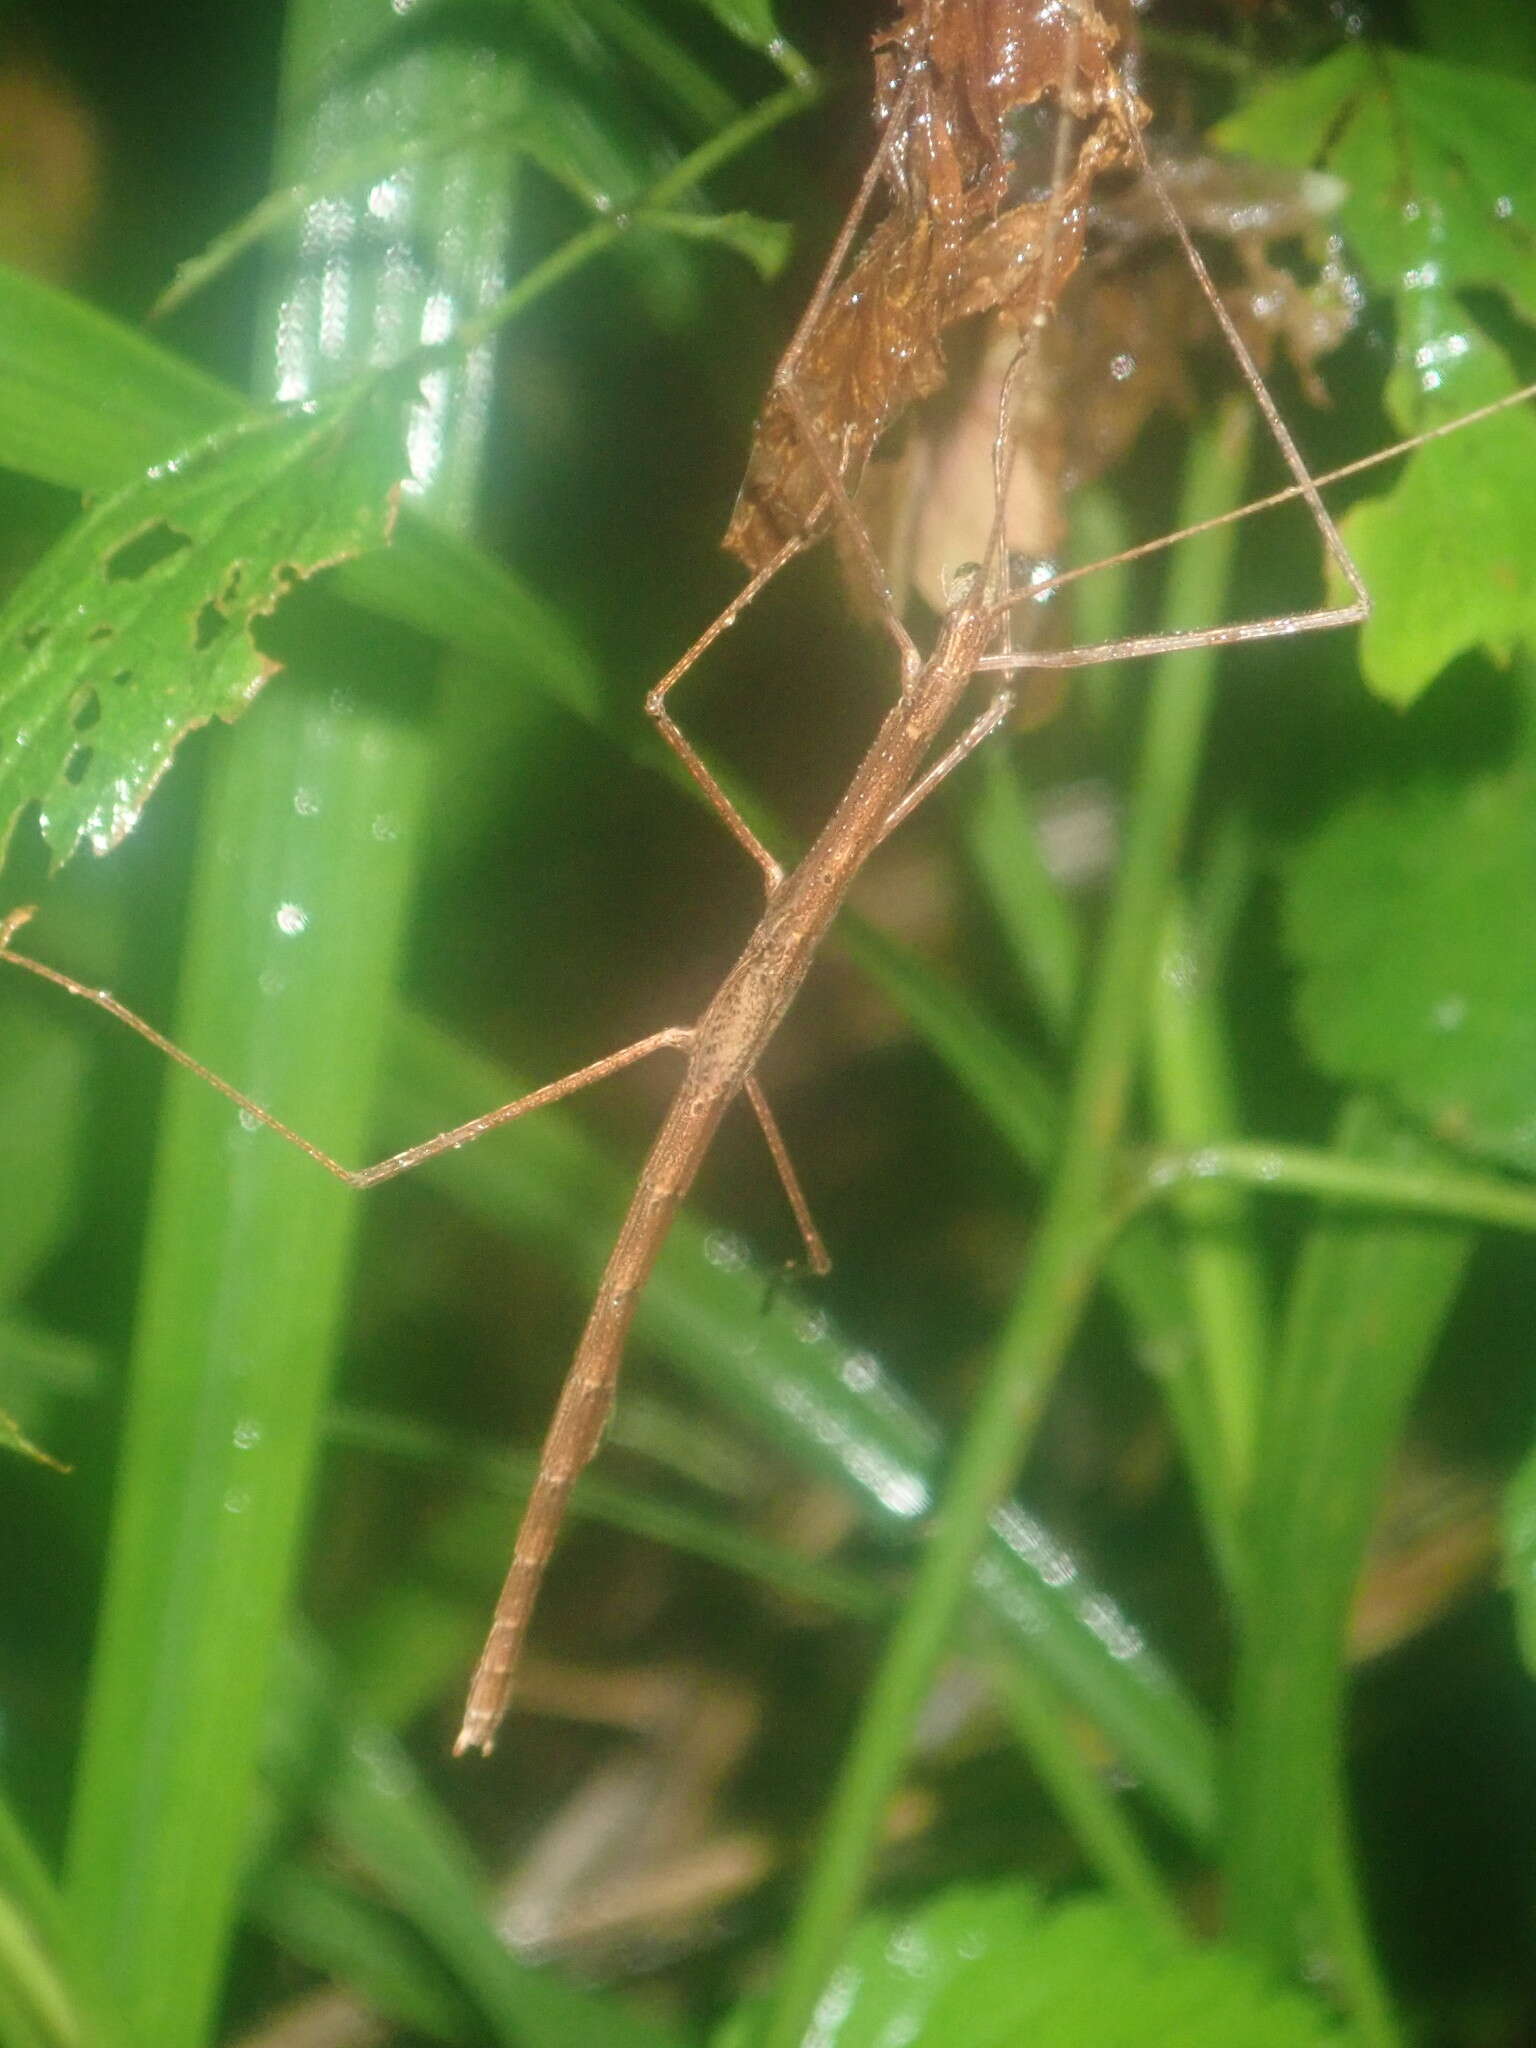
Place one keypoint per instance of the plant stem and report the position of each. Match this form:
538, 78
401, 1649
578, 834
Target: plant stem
699, 164
1192, 1096
1066, 1250
1432, 1190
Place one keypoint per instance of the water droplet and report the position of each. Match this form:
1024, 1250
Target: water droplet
1450, 1013
247, 1435
726, 1251
859, 1372
1122, 366
306, 804
291, 919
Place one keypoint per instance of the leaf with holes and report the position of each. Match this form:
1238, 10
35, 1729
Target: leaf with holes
137, 626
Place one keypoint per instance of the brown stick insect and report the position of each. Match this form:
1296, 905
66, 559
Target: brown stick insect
956, 240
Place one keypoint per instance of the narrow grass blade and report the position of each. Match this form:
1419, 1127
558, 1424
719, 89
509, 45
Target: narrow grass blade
367, 1798
310, 828
42, 1986
1368, 1301
1194, 1102
1036, 921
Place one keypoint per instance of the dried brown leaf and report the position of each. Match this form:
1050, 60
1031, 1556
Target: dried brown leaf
950, 245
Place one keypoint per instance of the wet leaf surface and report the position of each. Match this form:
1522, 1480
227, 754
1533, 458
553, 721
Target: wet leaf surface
1441, 197
1410, 915
990, 1966
137, 626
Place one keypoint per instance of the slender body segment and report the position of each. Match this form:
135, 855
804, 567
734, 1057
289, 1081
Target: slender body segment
724, 1049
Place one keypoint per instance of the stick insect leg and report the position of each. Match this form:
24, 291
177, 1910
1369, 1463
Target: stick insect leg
995, 715
815, 1246
1048, 586
844, 512
837, 501
352, 1177
656, 708
1324, 617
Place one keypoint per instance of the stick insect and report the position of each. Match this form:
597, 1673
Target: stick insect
954, 244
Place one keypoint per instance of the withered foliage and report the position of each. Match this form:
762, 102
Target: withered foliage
1123, 346
964, 88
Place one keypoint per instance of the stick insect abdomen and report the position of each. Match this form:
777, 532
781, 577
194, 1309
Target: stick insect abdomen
727, 1043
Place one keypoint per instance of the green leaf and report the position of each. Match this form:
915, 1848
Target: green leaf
752, 22
1464, 505
1410, 916
990, 1966
1368, 1300
1435, 158
137, 626
47, 1996
1440, 191
355, 1942
86, 402
1519, 1520
42, 1110
764, 243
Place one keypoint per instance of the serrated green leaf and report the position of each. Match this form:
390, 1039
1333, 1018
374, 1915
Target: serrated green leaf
1440, 193
137, 626
1462, 504
1435, 158
1410, 916
990, 1966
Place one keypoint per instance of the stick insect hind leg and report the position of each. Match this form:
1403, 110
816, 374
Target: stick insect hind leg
675, 1039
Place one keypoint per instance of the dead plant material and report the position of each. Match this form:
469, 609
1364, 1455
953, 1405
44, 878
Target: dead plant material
961, 93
